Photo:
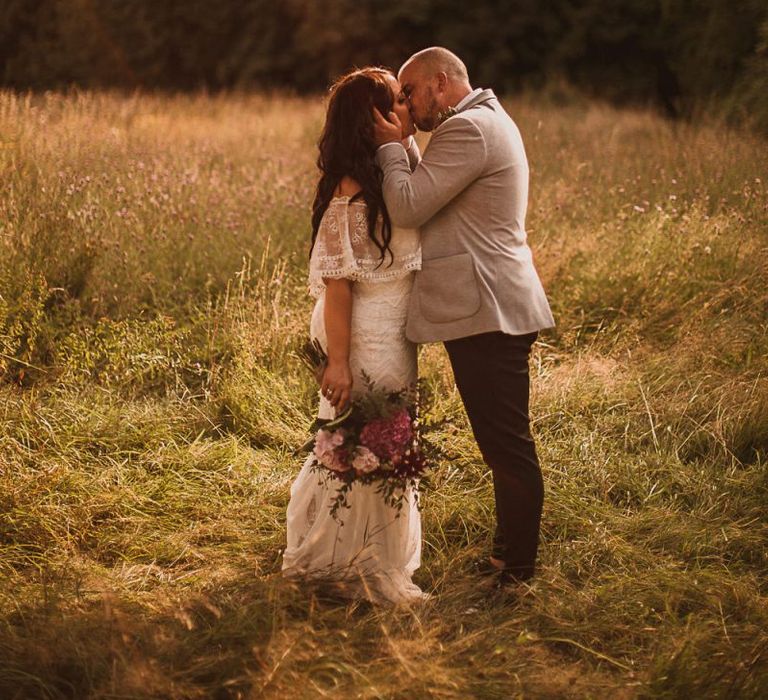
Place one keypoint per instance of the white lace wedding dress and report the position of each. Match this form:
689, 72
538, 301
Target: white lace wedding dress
374, 553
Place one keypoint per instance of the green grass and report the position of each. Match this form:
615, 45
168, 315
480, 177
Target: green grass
152, 295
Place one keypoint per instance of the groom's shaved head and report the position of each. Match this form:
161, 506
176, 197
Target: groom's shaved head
435, 60
433, 80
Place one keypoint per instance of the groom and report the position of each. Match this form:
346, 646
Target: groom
478, 291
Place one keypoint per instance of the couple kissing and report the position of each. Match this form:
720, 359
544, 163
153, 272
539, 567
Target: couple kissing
412, 248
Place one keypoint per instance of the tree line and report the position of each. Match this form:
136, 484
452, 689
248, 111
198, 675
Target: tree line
676, 54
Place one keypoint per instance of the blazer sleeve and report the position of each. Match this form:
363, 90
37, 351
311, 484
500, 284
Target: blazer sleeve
456, 157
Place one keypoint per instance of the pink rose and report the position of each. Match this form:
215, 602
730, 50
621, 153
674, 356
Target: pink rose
327, 441
365, 461
336, 460
327, 450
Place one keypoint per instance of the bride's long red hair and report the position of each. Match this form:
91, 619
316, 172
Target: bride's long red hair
347, 148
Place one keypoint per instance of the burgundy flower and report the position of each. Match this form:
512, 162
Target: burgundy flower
411, 465
388, 438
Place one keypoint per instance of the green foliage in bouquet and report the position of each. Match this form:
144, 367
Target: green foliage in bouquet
376, 440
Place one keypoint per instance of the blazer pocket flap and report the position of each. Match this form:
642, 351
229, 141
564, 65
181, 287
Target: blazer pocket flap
448, 288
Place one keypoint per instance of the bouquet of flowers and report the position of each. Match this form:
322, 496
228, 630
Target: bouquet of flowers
376, 440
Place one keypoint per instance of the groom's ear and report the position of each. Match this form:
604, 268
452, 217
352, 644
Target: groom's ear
442, 81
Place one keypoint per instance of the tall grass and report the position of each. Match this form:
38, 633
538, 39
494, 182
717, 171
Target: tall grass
152, 295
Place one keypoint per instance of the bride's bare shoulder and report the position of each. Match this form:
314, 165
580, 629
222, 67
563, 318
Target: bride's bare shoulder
347, 187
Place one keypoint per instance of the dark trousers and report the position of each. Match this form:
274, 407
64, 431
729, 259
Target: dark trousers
491, 373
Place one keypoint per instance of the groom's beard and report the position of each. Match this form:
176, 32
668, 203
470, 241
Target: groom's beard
429, 120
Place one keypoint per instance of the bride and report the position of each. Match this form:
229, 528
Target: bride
361, 273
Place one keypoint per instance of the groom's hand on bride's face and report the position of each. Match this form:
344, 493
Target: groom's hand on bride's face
386, 131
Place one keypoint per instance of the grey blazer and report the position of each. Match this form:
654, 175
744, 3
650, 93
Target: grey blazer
468, 196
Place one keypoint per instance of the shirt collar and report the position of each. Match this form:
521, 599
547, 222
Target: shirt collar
467, 99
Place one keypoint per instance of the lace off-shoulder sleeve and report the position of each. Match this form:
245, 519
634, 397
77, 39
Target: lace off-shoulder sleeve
343, 248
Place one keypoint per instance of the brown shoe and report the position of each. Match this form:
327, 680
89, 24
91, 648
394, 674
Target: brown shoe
484, 567
512, 589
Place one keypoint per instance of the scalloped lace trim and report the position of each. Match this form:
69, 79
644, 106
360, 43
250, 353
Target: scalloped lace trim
405, 266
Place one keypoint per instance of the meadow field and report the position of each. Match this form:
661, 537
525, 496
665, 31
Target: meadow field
152, 297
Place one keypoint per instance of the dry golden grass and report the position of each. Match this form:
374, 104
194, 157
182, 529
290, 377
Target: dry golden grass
152, 262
